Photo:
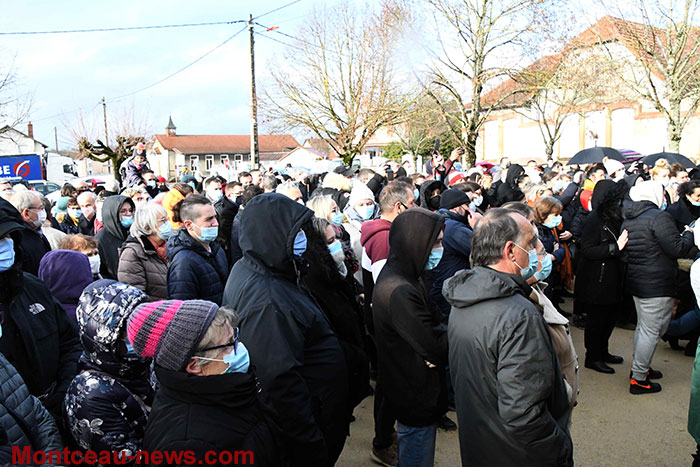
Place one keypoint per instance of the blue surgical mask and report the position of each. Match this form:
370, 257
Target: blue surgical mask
416, 193
553, 222
528, 271
151, 183
664, 206
126, 221
546, 270
7, 253
216, 195
75, 213
300, 243
478, 200
208, 234
434, 258
337, 218
238, 360
365, 212
165, 230
129, 349
693, 202
559, 186
335, 247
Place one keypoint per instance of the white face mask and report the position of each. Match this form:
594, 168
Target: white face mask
94, 264
41, 217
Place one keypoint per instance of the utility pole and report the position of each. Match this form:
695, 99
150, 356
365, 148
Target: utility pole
104, 114
254, 160
55, 135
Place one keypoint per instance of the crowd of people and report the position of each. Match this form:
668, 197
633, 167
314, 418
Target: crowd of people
252, 314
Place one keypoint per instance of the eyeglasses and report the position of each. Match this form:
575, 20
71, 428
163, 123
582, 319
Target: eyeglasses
235, 342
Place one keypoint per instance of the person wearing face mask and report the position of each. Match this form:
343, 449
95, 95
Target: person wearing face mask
430, 192
614, 168
117, 216
87, 246
653, 249
198, 266
151, 182
88, 209
361, 208
37, 336
334, 290
411, 346
460, 220
296, 353
69, 224
687, 209
143, 260
66, 273
107, 404
208, 400
498, 339
34, 243
661, 172
212, 189
600, 273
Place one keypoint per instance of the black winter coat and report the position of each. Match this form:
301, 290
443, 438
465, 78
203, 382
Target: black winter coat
194, 272
34, 246
652, 250
234, 249
87, 227
298, 359
683, 213
600, 272
36, 427
512, 405
226, 211
407, 329
107, 403
112, 235
212, 413
509, 191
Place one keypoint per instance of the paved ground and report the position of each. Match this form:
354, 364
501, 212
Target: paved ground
610, 426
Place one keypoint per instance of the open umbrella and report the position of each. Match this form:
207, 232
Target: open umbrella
671, 157
595, 154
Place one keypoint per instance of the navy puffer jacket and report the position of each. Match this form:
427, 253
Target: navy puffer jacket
653, 247
195, 273
107, 404
35, 427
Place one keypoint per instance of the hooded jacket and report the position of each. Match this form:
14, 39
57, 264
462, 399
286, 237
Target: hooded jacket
298, 358
426, 189
141, 267
111, 237
600, 272
406, 328
66, 273
38, 338
457, 244
212, 413
38, 429
511, 399
683, 213
508, 191
652, 250
194, 272
35, 246
226, 211
107, 402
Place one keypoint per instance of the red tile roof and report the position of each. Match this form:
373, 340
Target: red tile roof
226, 144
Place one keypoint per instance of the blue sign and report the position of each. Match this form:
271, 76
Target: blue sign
28, 167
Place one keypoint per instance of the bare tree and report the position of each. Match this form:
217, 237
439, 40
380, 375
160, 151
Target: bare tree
665, 69
483, 44
339, 80
15, 105
129, 128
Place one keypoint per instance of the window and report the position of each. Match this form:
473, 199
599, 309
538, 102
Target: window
194, 163
208, 162
224, 160
238, 157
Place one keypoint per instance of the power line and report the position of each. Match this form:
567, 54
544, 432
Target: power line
277, 9
127, 28
178, 71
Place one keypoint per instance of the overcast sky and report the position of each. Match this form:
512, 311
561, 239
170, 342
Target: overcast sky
67, 72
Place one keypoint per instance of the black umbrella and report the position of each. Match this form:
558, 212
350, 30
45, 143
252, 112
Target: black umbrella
596, 154
671, 157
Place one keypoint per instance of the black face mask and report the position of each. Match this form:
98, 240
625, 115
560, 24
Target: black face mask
434, 202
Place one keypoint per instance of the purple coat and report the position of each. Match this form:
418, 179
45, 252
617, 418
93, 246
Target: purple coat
66, 273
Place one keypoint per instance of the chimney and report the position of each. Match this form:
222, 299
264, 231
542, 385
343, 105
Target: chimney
30, 130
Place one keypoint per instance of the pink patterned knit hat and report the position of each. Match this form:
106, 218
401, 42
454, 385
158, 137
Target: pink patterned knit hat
169, 330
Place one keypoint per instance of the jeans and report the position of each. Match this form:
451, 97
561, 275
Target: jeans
689, 322
416, 445
653, 318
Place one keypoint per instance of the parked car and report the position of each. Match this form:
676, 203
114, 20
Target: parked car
44, 187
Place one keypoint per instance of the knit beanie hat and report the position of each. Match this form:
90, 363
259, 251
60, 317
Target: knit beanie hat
169, 330
648, 191
360, 192
452, 198
455, 177
612, 166
62, 203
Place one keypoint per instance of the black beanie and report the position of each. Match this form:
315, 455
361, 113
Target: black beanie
452, 198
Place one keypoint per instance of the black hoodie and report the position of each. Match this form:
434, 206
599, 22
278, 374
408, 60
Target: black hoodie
407, 330
297, 356
509, 190
112, 235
